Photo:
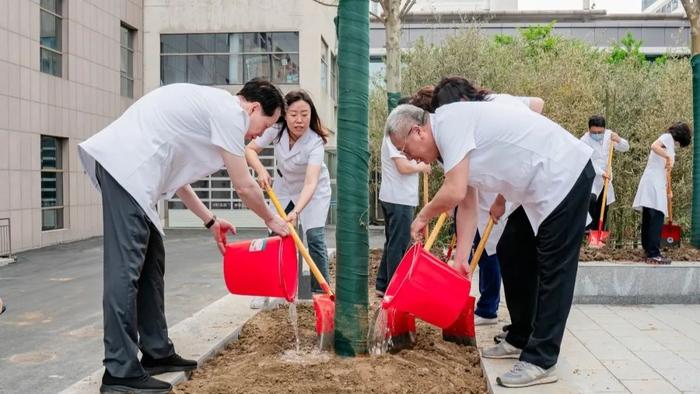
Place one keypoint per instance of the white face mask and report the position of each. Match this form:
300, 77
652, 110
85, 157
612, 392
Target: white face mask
597, 137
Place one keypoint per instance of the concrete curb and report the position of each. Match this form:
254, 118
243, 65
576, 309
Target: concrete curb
199, 337
637, 283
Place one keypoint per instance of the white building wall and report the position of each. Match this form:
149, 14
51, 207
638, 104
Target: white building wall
74, 106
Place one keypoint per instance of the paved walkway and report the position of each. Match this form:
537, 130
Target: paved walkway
624, 349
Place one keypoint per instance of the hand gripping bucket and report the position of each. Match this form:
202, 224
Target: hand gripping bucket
262, 267
427, 288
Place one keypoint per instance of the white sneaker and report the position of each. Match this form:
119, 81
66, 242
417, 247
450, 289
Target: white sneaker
502, 350
259, 302
524, 374
484, 321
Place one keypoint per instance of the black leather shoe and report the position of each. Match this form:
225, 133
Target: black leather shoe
144, 384
173, 363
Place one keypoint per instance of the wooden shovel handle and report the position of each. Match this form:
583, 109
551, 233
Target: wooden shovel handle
426, 199
482, 245
300, 245
669, 203
436, 231
608, 170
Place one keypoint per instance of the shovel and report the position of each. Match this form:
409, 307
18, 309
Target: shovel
597, 238
402, 325
462, 332
670, 233
324, 304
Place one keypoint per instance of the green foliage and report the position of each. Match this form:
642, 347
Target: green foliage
627, 48
576, 81
503, 39
539, 38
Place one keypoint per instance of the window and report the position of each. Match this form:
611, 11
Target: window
324, 66
334, 77
229, 58
52, 181
127, 61
51, 37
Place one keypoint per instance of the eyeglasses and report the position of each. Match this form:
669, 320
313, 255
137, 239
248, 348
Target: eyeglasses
422, 122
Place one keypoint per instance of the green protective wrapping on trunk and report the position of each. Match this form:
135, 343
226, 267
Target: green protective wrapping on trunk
392, 100
695, 220
353, 179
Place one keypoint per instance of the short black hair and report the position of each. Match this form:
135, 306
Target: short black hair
454, 89
680, 131
596, 121
261, 91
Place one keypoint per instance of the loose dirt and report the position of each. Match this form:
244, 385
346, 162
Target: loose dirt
629, 254
263, 360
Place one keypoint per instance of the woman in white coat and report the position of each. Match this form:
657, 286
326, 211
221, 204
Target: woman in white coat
651, 196
301, 181
599, 138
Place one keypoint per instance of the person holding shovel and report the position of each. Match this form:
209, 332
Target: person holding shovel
301, 182
651, 197
398, 196
456, 89
599, 139
547, 174
169, 138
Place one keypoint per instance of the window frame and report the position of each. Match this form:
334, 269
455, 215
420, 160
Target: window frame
59, 33
131, 37
240, 54
59, 169
324, 67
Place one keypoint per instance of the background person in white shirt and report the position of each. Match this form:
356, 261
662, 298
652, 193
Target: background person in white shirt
651, 196
301, 182
532, 162
398, 196
598, 138
166, 140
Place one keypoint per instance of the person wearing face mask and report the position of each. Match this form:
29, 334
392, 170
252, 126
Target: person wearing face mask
651, 196
301, 181
169, 138
599, 138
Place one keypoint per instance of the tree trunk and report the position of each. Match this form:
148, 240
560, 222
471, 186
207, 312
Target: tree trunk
392, 27
352, 240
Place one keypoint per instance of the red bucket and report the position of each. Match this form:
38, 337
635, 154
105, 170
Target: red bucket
262, 267
427, 288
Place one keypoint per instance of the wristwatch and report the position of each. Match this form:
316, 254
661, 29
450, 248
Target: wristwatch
211, 222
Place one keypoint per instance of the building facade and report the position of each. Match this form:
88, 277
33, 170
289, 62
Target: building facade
67, 69
70, 67
225, 43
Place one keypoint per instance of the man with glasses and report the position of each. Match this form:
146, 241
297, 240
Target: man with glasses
544, 171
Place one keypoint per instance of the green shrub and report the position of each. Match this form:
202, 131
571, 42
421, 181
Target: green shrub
639, 99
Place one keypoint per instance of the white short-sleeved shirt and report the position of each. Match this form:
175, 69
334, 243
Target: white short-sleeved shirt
651, 192
600, 161
167, 139
512, 150
292, 165
396, 188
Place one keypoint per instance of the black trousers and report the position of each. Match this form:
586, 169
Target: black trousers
539, 273
594, 211
133, 296
652, 222
397, 229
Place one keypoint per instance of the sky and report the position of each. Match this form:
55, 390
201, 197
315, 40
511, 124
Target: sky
612, 6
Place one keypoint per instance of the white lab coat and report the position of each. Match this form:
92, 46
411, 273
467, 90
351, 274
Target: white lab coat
600, 161
291, 164
167, 139
651, 192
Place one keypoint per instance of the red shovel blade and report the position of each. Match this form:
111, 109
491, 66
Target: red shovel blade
325, 319
402, 330
597, 238
462, 331
671, 235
